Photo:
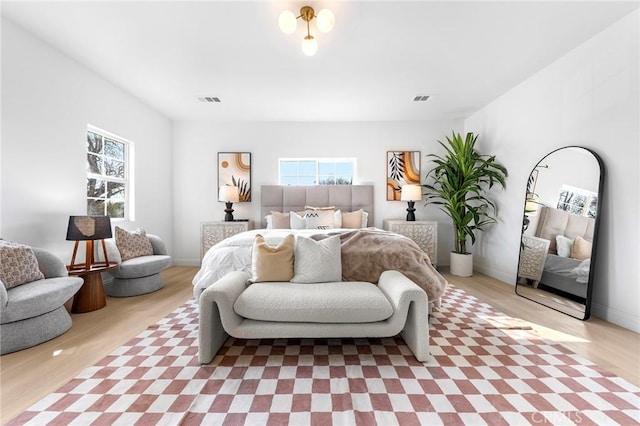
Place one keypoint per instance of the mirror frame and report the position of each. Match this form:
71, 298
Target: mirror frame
596, 233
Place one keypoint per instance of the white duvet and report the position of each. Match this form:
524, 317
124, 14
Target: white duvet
234, 254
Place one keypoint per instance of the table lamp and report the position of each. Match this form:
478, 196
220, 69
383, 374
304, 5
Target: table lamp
411, 193
229, 194
89, 229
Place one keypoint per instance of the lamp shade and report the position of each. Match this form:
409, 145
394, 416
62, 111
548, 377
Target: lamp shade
229, 194
86, 228
325, 20
309, 45
531, 205
411, 193
287, 22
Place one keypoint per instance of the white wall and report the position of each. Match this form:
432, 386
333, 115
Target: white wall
590, 97
47, 101
196, 146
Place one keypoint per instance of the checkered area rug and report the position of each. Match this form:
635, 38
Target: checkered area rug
486, 369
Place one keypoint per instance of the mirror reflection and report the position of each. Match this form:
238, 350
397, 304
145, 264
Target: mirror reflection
559, 231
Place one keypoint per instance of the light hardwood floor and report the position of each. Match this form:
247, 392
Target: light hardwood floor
29, 375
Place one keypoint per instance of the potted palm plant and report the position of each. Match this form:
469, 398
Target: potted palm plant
458, 183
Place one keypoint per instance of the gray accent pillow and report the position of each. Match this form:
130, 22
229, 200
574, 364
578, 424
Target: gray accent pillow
317, 261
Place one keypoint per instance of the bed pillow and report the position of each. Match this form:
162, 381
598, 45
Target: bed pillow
581, 249
317, 261
270, 263
18, 264
133, 243
280, 220
365, 219
296, 220
352, 220
563, 246
319, 219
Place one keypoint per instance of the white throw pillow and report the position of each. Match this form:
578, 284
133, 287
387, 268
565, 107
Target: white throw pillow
563, 246
319, 219
296, 221
317, 261
337, 219
365, 219
269, 219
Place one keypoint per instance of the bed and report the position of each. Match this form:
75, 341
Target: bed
365, 252
566, 271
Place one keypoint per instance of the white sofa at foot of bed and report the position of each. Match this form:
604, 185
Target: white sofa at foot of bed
319, 310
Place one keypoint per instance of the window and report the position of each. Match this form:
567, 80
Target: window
578, 201
317, 171
108, 183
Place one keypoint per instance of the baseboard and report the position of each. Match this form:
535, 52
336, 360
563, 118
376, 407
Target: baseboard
615, 316
492, 271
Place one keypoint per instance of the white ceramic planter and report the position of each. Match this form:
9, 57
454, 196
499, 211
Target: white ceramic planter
461, 264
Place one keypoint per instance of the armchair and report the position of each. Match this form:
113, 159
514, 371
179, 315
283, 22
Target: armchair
34, 312
139, 275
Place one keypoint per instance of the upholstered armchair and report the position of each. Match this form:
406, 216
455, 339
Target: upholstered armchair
137, 275
33, 312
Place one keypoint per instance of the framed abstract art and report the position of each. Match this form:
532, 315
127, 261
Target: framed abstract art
403, 168
234, 168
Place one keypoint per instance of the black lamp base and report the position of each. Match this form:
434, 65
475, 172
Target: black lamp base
411, 217
228, 217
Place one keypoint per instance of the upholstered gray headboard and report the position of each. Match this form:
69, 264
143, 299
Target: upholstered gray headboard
294, 198
554, 222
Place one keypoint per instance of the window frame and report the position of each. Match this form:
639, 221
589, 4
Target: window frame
317, 161
128, 173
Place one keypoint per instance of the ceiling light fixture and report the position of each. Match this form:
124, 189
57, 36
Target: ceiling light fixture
324, 21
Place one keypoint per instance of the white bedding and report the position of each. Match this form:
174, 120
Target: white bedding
234, 253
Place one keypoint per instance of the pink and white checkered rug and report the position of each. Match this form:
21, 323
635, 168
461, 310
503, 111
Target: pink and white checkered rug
487, 369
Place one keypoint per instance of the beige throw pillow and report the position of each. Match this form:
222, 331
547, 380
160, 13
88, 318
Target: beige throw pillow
352, 220
18, 264
133, 244
581, 249
280, 220
272, 263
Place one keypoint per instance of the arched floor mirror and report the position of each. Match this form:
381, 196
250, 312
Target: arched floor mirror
561, 218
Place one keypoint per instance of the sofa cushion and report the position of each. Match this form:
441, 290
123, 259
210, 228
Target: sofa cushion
317, 261
18, 264
38, 297
141, 266
335, 302
133, 244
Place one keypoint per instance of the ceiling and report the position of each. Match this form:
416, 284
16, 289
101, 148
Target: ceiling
369, 67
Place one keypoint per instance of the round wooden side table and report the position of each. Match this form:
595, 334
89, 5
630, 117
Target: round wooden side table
91, 296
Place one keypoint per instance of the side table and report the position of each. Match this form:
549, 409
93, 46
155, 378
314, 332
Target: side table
212, 233
91, 296
423, 232
532, 258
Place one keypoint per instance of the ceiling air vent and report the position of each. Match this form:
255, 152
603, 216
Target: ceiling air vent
420, 98
209, 99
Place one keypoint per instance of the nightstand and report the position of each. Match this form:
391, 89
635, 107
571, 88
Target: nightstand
212, 233
423, 232
532, 258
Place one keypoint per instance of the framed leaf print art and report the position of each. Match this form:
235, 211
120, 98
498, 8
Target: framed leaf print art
403, 168
234, 168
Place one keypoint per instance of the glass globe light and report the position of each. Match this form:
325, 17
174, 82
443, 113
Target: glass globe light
287, 22
309, 45
325, 20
